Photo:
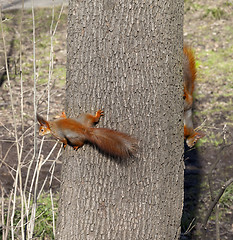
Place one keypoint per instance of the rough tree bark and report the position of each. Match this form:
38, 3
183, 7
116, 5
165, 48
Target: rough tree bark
125, 57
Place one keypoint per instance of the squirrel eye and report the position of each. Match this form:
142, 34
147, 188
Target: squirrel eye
42, 130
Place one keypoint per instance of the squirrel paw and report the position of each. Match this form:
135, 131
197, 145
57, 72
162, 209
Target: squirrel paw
64, 146
75, 148
99, 113
63, 115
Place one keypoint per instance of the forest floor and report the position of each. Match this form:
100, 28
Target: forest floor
207, 28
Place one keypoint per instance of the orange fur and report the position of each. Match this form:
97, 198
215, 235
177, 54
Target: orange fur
189, 71
77, 131
189, 60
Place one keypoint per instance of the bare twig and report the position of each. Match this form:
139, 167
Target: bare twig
20, 65
217, 222
33, 160
34, 77
52, 34
34, 204
48, 156
50, 188
190, 227
19, 153
8, 216
215, 201
3, 220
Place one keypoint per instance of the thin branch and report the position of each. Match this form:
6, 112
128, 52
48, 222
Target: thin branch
20, 65
217, 222
8, 215
51, 151
19, 153
3, 220
52, 34
215, 201
190, 227
33, 212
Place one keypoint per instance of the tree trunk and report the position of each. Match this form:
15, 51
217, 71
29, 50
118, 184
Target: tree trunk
125, 57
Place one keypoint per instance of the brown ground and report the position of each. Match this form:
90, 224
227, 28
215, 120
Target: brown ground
7, 134
208, 28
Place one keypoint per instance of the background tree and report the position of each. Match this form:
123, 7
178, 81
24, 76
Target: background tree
125, 57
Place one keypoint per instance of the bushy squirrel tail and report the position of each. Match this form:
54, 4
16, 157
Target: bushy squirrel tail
189, 70
112, 142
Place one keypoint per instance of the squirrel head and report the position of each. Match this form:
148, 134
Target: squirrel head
44, 128
191, 140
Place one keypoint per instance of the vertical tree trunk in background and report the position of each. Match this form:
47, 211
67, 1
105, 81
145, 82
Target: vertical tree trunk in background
125, 57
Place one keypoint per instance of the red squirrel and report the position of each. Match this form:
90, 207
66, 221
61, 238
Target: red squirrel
189, 71
77, 131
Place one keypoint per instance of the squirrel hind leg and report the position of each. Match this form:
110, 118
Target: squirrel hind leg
89, 120
64, 146
63, 115
75, 143
95, 119
64, 141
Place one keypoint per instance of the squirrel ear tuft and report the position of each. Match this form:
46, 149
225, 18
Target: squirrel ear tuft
41, 120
